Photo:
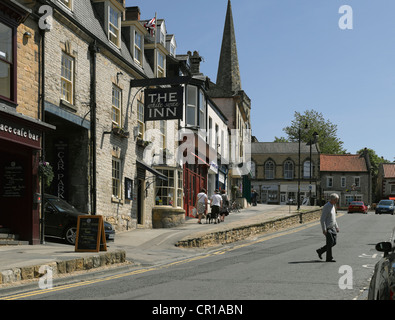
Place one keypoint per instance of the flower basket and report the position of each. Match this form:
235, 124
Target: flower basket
143, 143
46, 172
120, 131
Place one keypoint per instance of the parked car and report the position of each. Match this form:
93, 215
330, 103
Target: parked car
382, 284
385, 206
357, 206
61, 220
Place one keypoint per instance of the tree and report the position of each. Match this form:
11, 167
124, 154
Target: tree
375, 162
308, 123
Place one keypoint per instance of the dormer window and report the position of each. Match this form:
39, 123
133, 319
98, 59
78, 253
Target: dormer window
138, 47
114, 23
67, 3
161, 66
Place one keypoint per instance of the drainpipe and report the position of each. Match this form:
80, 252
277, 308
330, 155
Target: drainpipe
94, 49
42, 106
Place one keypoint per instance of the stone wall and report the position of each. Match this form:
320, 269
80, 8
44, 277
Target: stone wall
244, 232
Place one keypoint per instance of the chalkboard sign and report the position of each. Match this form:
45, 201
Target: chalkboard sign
90, 234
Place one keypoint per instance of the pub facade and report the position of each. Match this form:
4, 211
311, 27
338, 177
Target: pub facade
21, 123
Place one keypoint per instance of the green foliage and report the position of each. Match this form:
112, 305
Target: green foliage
309, 123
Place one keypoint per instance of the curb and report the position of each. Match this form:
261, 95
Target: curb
62, 267
243, 232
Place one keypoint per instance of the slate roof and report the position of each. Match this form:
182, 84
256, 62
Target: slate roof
342, 163
389, 170
83, 13
281, 148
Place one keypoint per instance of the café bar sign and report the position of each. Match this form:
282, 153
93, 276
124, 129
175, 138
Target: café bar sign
164, 104
17, 133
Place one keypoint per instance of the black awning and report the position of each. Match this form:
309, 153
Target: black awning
152, 170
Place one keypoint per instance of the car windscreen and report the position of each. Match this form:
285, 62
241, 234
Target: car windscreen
62, 205
386, 203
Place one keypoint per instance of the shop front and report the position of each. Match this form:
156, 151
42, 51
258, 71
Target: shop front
20, 194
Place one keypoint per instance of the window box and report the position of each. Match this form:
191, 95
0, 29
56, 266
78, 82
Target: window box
118, 131
143, 143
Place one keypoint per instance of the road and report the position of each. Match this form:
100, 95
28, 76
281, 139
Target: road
281, 266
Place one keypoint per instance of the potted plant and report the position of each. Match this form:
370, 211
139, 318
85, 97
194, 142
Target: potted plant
46, 172
117, 130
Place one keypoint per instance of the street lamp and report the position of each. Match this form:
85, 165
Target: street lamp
299, 137
315, 136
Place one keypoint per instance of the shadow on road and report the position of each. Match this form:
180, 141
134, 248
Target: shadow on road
309, 261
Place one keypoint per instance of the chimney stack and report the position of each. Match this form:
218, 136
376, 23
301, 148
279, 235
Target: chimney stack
195, 60
132, 13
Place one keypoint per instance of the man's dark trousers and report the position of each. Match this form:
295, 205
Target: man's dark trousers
330, 242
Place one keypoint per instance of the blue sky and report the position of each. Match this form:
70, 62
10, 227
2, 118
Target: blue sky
294, 57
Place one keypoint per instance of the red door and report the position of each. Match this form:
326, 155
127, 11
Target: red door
193, 183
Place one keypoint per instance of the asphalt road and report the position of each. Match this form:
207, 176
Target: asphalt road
281, 266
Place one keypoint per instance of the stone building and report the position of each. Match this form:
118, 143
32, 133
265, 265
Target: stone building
347, 175
275, 172
235, 104
94, 50
21, 120
386, 182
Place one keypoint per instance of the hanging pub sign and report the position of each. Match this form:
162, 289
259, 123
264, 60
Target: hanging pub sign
164, 104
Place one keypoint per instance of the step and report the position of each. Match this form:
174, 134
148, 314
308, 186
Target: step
11, 242
8, 236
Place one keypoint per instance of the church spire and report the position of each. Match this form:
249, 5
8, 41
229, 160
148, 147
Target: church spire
228, 76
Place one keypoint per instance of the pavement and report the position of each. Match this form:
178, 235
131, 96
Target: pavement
143, 247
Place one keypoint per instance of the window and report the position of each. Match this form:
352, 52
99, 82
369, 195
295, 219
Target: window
161, 65
162, 134
329, 182
138, 47
202, 110
67, 3
343, 182
116, 178
392, 189
116, 105
357, 181
113, 26
306, 170
140, 119
67, 78
269, 169
7, 63
288, 170
191, 105
170, 192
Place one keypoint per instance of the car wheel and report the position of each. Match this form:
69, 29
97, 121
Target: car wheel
70, 235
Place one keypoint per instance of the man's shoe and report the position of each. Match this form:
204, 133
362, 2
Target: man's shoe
331, 260
319, 254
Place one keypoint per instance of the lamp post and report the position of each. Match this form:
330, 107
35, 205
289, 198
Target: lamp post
315, 136
299, 138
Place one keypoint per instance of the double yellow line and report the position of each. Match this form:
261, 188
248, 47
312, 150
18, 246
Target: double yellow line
145, 270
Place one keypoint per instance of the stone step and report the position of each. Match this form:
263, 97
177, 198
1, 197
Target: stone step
12, 242
8, 236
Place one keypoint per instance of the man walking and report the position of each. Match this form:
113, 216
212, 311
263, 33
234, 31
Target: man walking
329, 227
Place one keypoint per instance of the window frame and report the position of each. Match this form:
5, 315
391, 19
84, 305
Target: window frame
140, 119
110, 24
190, 106
12, 65
173, 184
161, 69
270, 172
116, 191
329, 182
69, 6
289, 173
138, 48
117, 109
69, 82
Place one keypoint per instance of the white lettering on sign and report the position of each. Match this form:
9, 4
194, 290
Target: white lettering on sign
20, 132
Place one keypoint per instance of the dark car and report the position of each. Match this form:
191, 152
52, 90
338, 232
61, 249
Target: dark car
61, 220
357, 206
385, 206
382, 285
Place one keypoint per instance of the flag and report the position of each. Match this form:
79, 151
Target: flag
150, 25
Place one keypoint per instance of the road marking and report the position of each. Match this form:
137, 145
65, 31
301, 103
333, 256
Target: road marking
168, 265
363, 255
